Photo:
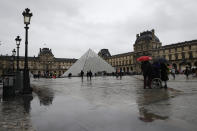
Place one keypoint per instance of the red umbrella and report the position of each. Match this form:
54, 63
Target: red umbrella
144, 58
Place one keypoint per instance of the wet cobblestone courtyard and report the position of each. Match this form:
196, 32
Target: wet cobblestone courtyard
102, 104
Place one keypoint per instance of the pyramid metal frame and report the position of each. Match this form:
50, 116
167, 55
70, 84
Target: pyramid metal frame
89, 61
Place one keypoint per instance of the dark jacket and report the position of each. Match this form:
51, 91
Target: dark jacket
146, 68
186, 71
164, 72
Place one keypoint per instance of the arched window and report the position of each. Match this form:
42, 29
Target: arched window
127, 69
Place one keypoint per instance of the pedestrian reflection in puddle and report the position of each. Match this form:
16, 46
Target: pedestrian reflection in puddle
153, 104
150, 117
45, 95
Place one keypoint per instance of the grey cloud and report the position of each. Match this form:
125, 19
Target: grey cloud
71, 27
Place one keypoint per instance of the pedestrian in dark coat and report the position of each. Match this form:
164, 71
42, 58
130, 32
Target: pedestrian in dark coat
187, 72
87, 74
82, 73
164, 74
90, 74
173, 72
147, 72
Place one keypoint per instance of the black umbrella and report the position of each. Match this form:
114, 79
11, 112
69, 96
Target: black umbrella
160, 60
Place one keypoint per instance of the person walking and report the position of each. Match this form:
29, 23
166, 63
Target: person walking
90, 74
187, 72
82, 73
120, 74
69, 75
147, 72
117, 73
164, 74
173, 72
87, 74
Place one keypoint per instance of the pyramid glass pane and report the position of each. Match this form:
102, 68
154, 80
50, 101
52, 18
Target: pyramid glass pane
89, 61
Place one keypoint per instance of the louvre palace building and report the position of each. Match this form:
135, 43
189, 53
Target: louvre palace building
148, 44
45, 64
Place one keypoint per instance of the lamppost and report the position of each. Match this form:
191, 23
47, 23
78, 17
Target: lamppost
13, 55
26, 82
18, 41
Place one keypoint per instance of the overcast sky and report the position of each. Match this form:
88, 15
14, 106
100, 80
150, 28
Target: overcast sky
71, 27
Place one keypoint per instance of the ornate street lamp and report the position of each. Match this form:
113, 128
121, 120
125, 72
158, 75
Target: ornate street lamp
18, 41
13, 55
26, 82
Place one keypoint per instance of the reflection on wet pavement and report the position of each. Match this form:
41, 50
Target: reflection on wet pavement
148, 116
14, 114
146, 98
45, 95
103, 104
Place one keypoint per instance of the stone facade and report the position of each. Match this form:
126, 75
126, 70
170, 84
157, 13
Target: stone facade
147, 43
45, 64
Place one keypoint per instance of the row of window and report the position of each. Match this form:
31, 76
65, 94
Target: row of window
120, 63
38, 65
178, 56
53, 72
177, 49
142, 47
125, 69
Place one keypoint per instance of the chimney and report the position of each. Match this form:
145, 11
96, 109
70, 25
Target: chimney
153, 31
153, 34
137, 36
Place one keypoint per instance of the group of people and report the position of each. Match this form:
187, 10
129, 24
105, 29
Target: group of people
188, 70
155, 70
88, 74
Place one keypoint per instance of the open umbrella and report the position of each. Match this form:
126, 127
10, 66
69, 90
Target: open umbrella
144, 58
160, 60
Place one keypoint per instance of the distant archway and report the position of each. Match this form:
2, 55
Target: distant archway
127, 69
124, 69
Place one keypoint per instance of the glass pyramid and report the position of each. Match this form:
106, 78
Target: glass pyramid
89, 61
